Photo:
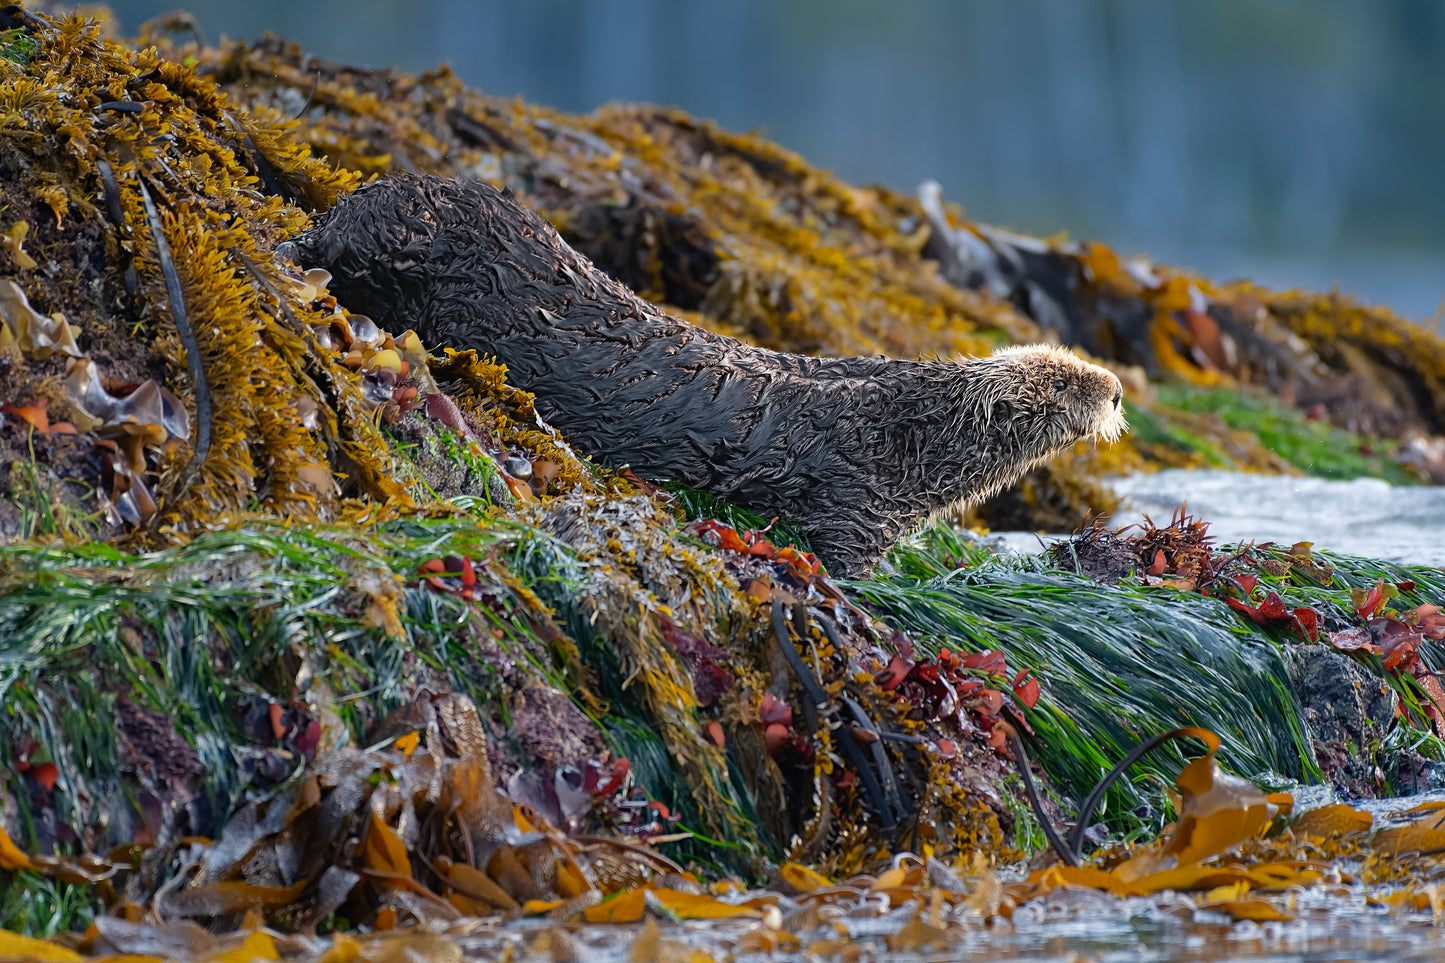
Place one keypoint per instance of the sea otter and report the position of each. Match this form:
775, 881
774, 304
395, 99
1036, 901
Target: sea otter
857, 450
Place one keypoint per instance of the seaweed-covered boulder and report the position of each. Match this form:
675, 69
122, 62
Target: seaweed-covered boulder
243, 518
278, 577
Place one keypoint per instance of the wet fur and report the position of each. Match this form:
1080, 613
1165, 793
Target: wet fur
857, 450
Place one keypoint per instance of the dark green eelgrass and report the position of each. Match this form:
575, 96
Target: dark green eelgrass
1116, 666
17, 46
697, 504
194, 632
42, 906
1120, 665
1314, 447
226, 617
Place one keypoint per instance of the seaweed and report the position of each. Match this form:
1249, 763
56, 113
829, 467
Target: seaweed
1109, 663
376, 537
1311, 445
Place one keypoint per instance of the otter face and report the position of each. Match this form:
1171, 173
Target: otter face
1048, 398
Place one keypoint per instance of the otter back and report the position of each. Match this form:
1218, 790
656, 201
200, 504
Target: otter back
856, 450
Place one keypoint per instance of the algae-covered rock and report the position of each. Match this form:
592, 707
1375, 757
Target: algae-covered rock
274, 576
746, 238
357, 528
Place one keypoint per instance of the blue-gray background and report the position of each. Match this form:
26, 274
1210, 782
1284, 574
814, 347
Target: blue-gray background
1299, 142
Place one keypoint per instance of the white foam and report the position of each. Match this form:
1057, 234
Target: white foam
1365, 516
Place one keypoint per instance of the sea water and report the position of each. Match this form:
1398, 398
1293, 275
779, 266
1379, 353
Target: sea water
1363, 516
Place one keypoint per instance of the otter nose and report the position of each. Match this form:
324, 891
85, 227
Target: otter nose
1118, 395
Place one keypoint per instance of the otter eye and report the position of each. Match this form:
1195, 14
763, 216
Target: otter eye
1058, 384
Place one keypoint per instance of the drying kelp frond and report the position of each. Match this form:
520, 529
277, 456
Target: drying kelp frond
419, 830
415, 831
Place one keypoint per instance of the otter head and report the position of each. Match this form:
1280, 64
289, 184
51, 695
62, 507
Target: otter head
1040, 399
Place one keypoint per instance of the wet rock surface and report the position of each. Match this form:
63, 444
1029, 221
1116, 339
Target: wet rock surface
1347, 712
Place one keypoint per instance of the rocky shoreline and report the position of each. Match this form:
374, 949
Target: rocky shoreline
274, 576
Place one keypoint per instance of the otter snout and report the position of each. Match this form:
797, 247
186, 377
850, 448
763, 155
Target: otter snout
1114, 424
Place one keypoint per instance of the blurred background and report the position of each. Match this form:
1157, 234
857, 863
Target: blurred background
1297, 142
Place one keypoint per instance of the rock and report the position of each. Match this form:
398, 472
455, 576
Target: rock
551, 729
1346, 713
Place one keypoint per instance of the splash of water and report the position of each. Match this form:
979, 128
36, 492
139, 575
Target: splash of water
1364, 516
